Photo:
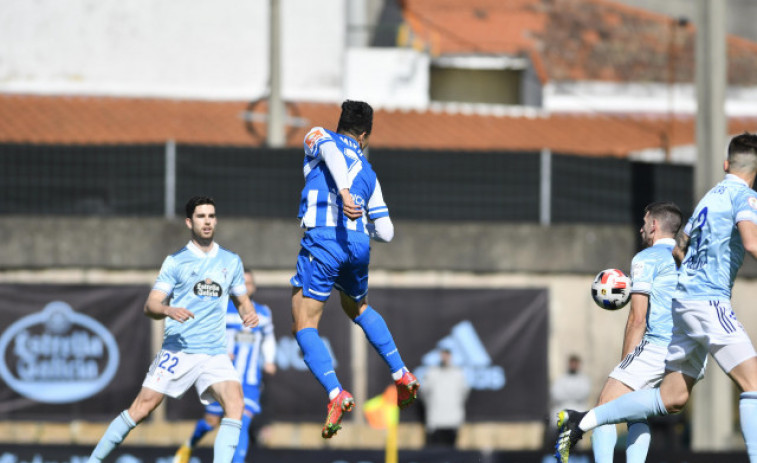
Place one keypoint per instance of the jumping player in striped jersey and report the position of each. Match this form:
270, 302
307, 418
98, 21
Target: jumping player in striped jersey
253, 352
197, 282
648, 329
711, 249
341, 209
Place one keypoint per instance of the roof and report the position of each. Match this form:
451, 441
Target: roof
574, 39
106, 120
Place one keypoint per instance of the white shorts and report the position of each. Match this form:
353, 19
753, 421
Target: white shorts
643, 368
173, 373
702, 327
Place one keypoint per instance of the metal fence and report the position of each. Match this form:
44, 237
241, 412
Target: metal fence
155, 180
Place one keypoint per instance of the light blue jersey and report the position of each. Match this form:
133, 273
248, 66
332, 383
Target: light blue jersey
320, 203
654, 273
716, 251
200, 283
247, 344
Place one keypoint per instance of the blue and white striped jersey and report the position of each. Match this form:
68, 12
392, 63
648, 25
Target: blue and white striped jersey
716, 251
201, 283
654, 273
246, 344
320, 203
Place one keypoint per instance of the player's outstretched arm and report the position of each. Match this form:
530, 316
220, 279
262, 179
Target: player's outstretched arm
748, 232
681, 247
157, 308
246, 310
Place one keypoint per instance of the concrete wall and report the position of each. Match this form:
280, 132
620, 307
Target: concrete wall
142, 243
482, 247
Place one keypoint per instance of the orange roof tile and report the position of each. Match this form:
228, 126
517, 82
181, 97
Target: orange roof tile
95, 120
576, 39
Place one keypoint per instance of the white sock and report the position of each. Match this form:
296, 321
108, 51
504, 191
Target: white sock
333, 393
397, 375
589, 421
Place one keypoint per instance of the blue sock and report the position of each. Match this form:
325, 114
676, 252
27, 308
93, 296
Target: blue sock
634, 406
226, 440
637, 442
201, 429
317, 358
244, 440
378, 335
603, 439
115, 434
748, 418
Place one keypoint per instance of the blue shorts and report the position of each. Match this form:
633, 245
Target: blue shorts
251, 402
333, 258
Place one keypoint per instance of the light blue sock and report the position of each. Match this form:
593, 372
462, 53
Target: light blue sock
603, 439
634, 406
226, 440
244, 440
201, 429
115, 434
748, 418
378, 335
637, 442
317, 358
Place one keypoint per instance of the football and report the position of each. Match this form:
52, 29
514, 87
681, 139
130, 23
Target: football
611, 289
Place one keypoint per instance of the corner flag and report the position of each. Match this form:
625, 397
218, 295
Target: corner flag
382, 412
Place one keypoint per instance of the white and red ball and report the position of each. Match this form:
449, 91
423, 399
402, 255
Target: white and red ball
611, 289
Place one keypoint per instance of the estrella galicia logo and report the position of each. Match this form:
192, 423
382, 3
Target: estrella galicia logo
57, 355
469, 353
208, 289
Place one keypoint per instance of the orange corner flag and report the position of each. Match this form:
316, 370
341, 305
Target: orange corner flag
382, 411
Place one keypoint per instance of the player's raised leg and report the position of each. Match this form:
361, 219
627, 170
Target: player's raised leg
378, 334
670, 397
604, 437
147, 400
306, 313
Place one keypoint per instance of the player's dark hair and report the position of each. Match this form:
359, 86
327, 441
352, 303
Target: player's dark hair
667, 214
356, 118
197, 201
742, 153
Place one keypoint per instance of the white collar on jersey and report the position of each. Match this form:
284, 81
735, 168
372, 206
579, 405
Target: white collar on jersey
199, 252
736, 178
663, 241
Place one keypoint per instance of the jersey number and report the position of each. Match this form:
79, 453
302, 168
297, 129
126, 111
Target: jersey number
168, 362
699, 256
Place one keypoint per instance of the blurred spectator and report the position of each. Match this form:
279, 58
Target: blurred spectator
444, 395
569, 391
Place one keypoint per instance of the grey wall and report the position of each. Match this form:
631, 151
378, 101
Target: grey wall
131, 243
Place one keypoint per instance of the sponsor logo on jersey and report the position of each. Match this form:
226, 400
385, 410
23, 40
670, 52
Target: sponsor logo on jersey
752, 202
469, 353
313, 138
57, 355
208, 289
